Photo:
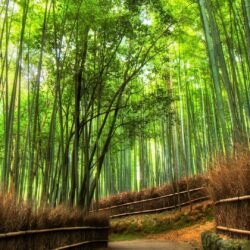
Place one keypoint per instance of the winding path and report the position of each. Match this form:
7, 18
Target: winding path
149, 245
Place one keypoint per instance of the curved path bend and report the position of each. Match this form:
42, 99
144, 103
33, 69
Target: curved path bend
149, 245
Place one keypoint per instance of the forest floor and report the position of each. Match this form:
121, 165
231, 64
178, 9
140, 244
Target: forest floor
180, 227
190, 235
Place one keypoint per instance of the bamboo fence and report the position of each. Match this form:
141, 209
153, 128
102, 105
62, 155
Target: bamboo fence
158, 210
233, 216
158, 204
56, 238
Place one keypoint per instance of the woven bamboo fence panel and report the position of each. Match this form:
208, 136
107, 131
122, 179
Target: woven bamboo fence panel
233, 216
57, 238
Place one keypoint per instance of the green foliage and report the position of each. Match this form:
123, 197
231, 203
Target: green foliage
118, 95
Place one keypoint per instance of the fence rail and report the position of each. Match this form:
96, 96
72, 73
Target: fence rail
158, 204
82, 244
233, 230
235, 199
56, 238
42, 231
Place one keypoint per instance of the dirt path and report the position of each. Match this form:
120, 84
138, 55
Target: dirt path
190, 234
149, 245
183, 238
187, 238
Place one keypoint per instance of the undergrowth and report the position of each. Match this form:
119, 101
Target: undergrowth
19, 215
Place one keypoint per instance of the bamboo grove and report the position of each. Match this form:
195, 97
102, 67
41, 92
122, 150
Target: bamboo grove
206, 72
103, 96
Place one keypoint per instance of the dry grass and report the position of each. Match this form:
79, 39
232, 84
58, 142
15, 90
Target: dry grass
230, 176
19, 216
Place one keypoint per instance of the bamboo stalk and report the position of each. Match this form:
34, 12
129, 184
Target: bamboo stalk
233, 230
151, 199
240, 198
160, 209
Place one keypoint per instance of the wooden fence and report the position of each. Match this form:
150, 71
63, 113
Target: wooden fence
233, 216
56, 238
158, 204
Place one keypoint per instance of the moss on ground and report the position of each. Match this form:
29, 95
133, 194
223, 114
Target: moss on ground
211, 240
